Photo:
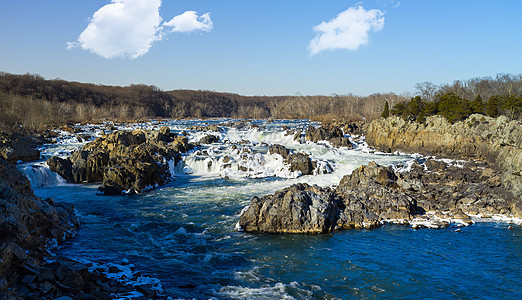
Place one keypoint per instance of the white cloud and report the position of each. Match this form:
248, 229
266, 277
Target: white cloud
128, 28
349, 30
189, 21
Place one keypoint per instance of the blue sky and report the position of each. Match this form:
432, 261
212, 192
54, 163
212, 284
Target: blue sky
262, 47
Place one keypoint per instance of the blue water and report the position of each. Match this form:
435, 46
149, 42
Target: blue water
184, 234
190, 244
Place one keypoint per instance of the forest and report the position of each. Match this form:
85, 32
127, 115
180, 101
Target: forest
35, 103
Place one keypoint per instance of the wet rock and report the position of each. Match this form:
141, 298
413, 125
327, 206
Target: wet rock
329, 132
300, 162
279, 149
209, 139
132, 161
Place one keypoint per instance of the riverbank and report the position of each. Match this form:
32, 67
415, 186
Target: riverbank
497, 141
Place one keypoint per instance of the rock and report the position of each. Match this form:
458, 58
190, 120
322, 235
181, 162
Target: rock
19, 149
498, 141
164, 134
331, 133
132, 161
209, 139
298, 209
300, 162
435, 165
279, 149
61, 166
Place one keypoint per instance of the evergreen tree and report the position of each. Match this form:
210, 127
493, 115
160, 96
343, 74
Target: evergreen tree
386, 112
492, 106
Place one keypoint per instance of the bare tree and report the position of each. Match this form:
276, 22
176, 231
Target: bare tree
426, 90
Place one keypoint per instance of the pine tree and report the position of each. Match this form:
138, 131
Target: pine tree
386, 111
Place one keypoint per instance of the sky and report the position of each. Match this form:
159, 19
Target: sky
262, 47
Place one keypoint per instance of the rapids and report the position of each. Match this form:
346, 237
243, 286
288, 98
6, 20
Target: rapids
184, 234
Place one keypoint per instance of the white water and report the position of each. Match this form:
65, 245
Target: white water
183, 233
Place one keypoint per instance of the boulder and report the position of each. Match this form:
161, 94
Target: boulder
19, 149
330, 132
279, 149
297, 209
300, 162
209, 139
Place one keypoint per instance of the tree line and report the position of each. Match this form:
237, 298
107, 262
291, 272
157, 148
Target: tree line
32, 101
501, 95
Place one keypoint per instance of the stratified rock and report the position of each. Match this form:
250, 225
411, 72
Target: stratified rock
27, 225
498, 141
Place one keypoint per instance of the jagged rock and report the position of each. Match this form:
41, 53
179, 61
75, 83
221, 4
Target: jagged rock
331, 133
362, 200
298, 209
300, 162
123, 160
279, 149
373, 194
19, 149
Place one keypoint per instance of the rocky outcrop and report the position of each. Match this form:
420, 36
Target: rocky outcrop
29, 228
372, 195
362, 200
331, 133
498, 141
131, 161
16, 147
297, 209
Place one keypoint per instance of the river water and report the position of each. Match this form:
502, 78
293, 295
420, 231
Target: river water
184, 233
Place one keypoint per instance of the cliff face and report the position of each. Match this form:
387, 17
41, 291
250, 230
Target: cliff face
499, 141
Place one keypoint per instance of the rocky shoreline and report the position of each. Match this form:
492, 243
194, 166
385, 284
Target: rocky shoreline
496, 141
30, 228
432, 193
